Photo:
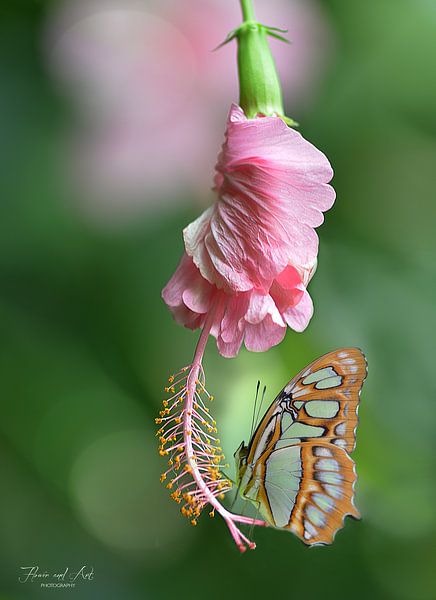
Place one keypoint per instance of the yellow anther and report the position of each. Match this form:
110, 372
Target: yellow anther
163, 477
158, 421
193, 522
212, 513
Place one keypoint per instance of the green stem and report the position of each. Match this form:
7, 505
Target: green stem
247, 10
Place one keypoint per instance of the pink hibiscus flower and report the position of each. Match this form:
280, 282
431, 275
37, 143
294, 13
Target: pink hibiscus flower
250, 257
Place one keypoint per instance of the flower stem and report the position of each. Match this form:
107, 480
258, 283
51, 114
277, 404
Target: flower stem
247, 10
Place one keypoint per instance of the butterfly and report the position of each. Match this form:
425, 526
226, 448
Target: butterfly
297, 467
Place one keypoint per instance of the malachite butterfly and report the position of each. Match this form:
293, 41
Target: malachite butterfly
297, 467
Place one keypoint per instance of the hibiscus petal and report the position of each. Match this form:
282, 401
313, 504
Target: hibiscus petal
287, 289
230, 349
263, 335
185, 272
245, 137
232, 324
259, 307
298, 317
187, 318
199, 295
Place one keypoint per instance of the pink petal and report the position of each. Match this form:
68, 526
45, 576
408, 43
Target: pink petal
185, 272
286, 290
232, 326
199, 295
263, 335
260, 307
270, 134
230, 349
298, 317
187, 318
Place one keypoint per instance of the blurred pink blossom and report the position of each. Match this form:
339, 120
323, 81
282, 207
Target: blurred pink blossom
149, 94
250, 256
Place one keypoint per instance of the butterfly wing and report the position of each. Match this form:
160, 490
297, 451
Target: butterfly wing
299, 471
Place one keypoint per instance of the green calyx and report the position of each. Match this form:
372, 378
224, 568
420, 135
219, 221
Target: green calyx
259, 86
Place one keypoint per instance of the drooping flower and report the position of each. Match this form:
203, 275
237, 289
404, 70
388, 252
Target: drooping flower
254, 252
248, 260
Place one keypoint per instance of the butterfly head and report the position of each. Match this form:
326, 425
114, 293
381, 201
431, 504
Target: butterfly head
241, 460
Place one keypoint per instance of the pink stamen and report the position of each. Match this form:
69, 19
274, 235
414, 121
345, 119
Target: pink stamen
195, 457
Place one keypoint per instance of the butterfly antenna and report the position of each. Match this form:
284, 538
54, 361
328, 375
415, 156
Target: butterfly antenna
253, 420
260, 406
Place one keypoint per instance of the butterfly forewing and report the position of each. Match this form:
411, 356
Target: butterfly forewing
325, 396
301, 474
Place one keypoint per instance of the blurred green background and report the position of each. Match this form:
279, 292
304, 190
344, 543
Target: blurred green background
87, 343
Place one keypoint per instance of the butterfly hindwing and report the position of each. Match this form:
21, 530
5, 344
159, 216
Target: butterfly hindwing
326, 493
298, 470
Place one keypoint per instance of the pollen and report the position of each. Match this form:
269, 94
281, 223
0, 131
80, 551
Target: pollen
193, 464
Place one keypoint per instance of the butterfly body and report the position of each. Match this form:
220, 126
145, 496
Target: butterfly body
297, 467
